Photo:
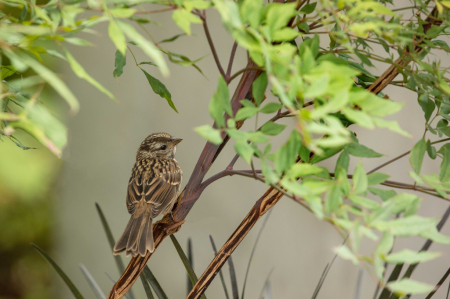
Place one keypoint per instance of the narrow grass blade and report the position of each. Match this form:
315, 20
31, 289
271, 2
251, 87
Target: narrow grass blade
264, 289
191, 261
386, 293
222, 279
448, 290
110, 237
64, 277
154, 283
253, 252
94, 285
359, 284
324, 274
185, 261
146, 285
439, 284
112, 242
234, 286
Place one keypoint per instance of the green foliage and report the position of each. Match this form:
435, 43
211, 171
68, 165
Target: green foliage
322, 88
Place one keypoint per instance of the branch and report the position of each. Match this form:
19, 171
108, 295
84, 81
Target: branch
267, 201
401, 156
402, 61
230, 62
167, 225
211, 45
144, 12
242, 71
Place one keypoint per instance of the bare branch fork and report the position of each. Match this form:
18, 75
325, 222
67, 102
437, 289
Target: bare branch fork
168, 226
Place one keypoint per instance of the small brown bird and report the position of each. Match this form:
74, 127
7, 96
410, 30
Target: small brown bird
152, 191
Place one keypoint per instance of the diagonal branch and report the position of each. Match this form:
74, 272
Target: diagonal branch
211, 45
272, 196
189, 196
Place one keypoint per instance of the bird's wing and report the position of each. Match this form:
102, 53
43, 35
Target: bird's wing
155, 181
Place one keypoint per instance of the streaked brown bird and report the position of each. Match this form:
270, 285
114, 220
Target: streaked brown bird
152, 191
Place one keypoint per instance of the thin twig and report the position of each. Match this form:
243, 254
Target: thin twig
211, 45
230, 62
156, 10
243, 70
401, 156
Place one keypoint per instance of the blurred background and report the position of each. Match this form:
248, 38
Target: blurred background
51, 202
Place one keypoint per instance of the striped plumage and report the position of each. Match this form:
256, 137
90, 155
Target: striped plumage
152, 191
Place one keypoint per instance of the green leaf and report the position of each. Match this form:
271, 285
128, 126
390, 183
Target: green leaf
407, 286
171, 39
271, 107
416, 155
209, 133
160, 89
250, 12
343, 161
386, 243
186, 263
61, 274
78, 42
6, 71
245, 112
285, 157
147, 62
363, 202
327, 153
81, 73
48, 76
119, 63
151, 50
445, 165
220, 103
183, 18
271, 128
116, 35
407, 226
383, 194
308, 8
427, 105
359, 179
407, 256
346, 254
285, 34
122, 12
377, 178
304, 169
279, 14
431, 150
359, 150
259, 86
244, 150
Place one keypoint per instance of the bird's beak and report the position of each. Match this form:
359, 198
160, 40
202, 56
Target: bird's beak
175, 141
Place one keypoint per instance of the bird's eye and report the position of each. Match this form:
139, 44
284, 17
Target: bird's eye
163, 147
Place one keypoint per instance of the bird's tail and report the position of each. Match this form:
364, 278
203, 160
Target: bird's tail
137, 237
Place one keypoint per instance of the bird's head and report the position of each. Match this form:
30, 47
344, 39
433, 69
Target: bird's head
158, 145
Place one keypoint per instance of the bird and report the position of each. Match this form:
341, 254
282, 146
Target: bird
152, 190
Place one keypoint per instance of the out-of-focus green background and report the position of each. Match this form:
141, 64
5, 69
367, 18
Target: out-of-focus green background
50, 201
